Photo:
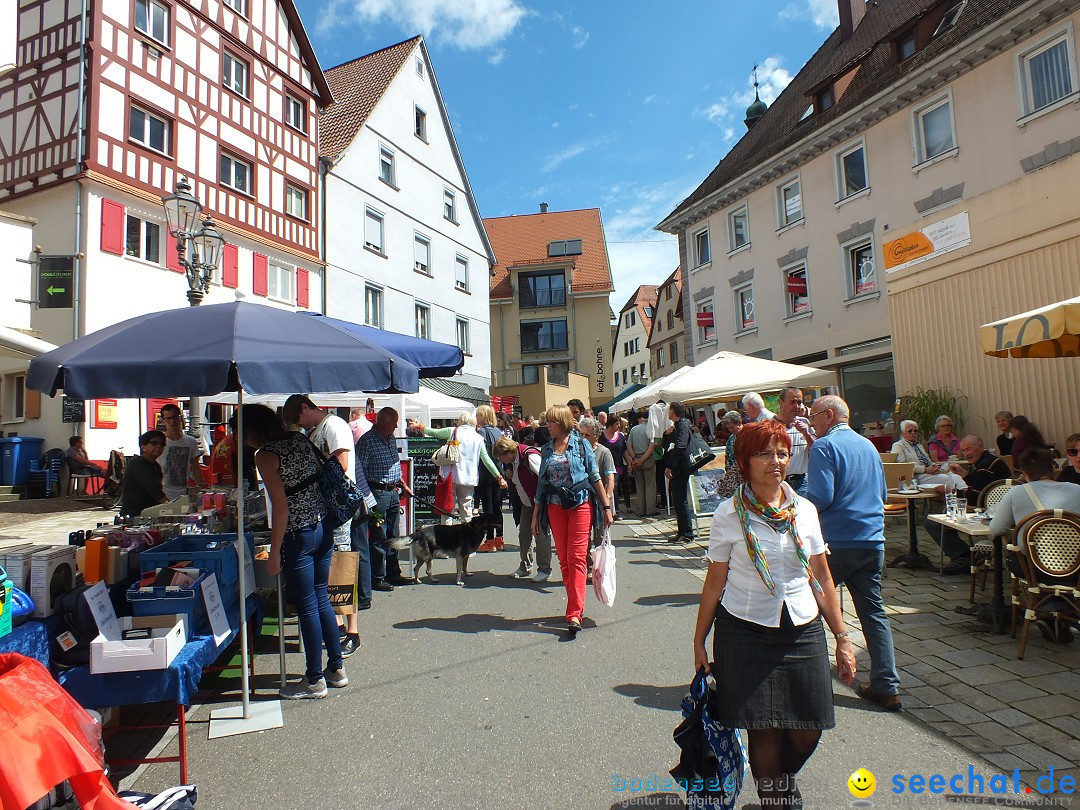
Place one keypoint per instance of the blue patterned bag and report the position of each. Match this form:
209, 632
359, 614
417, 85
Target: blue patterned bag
713, 763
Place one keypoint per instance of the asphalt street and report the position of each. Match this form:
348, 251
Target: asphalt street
473, 697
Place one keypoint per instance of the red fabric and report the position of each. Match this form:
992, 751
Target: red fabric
571, 529
172, 261
444, 493
112, 230
301, 287
230, 267
258, 272
46, 738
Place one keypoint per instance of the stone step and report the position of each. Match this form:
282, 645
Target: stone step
7, 490
10, 496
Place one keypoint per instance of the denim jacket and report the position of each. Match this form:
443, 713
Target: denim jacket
582, 467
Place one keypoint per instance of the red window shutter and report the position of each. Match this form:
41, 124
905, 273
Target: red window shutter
301, 287
258, 281
230, 270
112, 227
172, 261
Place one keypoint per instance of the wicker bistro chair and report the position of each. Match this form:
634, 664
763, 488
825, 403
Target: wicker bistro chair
1047, 548
983, 548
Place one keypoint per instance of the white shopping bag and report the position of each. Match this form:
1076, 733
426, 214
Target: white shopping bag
603, 574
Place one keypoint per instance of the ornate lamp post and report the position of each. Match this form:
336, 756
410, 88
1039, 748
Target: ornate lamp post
198, 251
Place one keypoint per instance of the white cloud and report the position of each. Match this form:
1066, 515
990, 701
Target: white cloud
578, 37
554, 124
559, 158
649, 99
727, 112
822, 13
497, 56
467, 24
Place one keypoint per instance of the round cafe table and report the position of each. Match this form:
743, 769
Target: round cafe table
912, 558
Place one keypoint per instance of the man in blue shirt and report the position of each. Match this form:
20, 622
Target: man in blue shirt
847, 485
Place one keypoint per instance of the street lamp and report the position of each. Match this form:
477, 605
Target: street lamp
197, 251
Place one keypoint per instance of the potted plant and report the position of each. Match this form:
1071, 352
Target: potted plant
924, 405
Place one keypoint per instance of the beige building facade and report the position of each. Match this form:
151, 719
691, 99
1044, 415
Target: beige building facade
631, 362
922, 112
666, 340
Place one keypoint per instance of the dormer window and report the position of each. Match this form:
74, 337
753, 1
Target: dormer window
906, 46
824, 99
566, 247
949, 20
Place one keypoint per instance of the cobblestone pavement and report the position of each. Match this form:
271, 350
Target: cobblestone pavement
957, 677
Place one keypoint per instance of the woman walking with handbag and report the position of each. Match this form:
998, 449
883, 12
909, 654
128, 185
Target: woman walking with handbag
299, 548
568, 473
767, 586
466, 470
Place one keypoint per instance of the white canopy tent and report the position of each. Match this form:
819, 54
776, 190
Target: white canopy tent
425, 404
729, 375
644, 397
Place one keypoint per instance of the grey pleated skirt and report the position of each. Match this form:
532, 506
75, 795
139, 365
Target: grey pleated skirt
772, 677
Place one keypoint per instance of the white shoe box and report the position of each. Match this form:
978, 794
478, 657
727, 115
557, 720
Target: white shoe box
52, 573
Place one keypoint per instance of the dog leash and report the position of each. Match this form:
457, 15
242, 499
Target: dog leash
431, 504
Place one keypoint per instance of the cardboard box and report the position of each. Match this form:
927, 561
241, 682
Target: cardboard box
5, 550
17, 565
52, 573
132, 655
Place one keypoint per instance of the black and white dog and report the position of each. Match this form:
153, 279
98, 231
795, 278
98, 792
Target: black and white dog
458, 541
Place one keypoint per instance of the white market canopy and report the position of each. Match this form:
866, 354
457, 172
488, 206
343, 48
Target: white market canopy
439, 405
729, 375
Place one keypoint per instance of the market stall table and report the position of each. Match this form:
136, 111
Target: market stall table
178, 683
993, 613
912, 558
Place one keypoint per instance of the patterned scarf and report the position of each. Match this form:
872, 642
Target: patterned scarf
780, 521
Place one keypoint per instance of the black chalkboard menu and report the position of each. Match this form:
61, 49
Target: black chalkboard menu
424, 475
74, 410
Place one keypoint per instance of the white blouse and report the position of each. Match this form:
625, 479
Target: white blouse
745, 595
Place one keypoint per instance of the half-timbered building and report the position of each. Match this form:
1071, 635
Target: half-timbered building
108, 106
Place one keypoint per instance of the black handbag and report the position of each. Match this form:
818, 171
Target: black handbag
341, 497
698, 452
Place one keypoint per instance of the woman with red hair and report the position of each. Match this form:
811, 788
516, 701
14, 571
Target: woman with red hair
767, 586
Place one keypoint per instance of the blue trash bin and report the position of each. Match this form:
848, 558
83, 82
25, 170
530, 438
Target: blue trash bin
16, 453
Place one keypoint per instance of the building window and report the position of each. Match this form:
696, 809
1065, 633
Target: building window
373, 306
295, 113
235, 173
1047, 72
421, 254
859, 260
667, 292
670, 319
565, 247
934, 133
280, 282
789, 202
13, 404
702, 253
706, 323
824, 99
420, 124
674, 351
239, 6
143, 239
650, 312
906, 46
423, 321
420, 67
152, 131
949, 20
543, 336
738, 229
851, 170
152, 19
625, 376
234, 73
659, 362
373, 230
743, 298
461, 273
630, 318
796, 291
296, 201
449, 205
557, 373
542, 290
386, 166
463, 335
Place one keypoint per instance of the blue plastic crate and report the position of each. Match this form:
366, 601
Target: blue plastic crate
214, 553
161, 600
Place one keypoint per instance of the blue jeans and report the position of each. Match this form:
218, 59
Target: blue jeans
305, 561
680, 501
383, 559
860, 570
359, 544
799, 483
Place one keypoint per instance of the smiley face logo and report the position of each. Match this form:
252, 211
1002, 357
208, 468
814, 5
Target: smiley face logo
862, 784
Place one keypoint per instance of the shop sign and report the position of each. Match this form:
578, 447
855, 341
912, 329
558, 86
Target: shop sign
704, 318
927, 243
105, 414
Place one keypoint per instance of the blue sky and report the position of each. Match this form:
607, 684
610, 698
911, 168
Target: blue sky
624, 105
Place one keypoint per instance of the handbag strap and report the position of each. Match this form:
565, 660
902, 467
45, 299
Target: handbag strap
1034, 498
315, 477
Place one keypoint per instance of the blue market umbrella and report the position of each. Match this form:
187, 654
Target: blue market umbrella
432, 358
198, 351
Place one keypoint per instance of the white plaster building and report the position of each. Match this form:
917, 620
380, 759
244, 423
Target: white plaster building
405, 246
631, 361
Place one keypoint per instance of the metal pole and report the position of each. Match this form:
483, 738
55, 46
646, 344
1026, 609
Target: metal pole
241, 549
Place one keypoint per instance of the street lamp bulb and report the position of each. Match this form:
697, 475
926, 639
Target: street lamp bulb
208, 246
181, 209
